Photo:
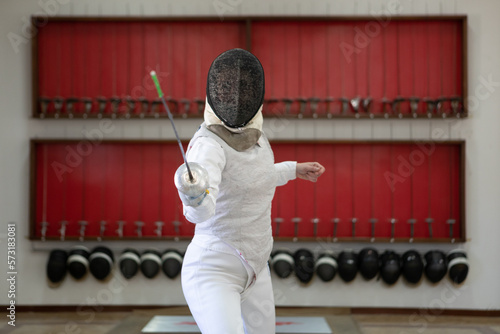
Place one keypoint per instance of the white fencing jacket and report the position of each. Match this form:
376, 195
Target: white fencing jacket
237, 209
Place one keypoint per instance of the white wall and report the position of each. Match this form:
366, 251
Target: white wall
482, 289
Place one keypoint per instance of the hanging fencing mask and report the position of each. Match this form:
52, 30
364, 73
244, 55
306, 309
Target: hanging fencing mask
458, 266
78, 261
304, 265
368, 263
282, 263
101, 262
413, 266
56, 266
390, 267
326, 266
235, 87
348, 265
150, 263
129, 263
171, 263
435, 265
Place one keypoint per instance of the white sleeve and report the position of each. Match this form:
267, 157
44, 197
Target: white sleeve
207, 152
285, 172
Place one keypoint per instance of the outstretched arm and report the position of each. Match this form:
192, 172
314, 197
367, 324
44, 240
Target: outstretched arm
285, 172
289, 170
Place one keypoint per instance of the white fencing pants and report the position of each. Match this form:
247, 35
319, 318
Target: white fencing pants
222, 291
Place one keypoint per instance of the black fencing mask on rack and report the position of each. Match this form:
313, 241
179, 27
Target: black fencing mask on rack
348, 265
78, 261
56, 265
390, 267
282, 263
458, 266
413, 266
368, 263
235, 87
101, 262
435, 265
304, 265
129, 263
150, 263
171, 263
326, 267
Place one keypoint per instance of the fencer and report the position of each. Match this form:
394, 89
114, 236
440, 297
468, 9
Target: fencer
225, 276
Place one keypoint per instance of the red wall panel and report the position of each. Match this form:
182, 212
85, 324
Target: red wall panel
133, 181
114, 58
305, 59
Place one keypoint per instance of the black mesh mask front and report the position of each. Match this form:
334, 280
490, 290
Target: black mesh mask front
235, 87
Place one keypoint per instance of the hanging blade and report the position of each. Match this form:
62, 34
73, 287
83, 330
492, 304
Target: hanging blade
119, 230
83, 224
412, 222
335, 226
138, 230
353, 224
393, 228
62, 230
429, 222
159, 228
451, 222
278, 222
315, 221
355, 104
373, 221
296, 221
102, 228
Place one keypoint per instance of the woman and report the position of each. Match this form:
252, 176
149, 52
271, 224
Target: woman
225, 276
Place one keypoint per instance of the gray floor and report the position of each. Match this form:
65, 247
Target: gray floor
340, 320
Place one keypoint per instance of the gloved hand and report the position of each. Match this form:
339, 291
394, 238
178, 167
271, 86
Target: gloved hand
192, 192
191, 200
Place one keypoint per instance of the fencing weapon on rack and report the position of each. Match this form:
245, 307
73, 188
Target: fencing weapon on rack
314, 101
102, 229
200, 106
120, 228
296, 221
159, 228
44, 105
58, 105
87, 106
155, 106
62, 230
101, 106
278, 221
302, 106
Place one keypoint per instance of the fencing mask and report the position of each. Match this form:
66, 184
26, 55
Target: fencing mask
235, 87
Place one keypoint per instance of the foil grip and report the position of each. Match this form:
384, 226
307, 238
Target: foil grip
195, 187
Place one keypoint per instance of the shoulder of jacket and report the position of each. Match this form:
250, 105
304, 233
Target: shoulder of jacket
205, 136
